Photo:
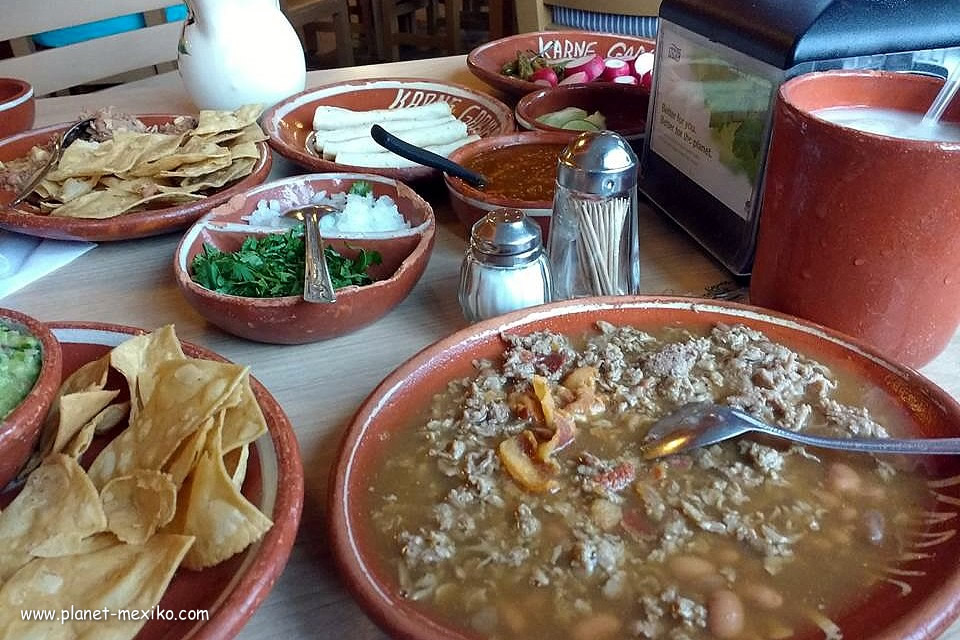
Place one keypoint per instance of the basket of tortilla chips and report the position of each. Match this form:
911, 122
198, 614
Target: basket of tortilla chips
134, 176
145, 494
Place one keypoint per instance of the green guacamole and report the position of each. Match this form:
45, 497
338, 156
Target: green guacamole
20, 359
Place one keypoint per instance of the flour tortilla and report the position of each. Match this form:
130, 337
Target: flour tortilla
387, 160
326, 118
451, 131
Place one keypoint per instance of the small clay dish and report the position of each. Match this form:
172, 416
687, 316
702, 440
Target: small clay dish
289, 319
29, 220
471, 204
290, 123
21, 427
487, 61
921, 597
18, 107
623, 106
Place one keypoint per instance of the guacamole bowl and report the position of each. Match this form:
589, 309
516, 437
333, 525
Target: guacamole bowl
24, 402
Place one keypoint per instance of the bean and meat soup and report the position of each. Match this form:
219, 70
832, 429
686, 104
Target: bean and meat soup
521, 507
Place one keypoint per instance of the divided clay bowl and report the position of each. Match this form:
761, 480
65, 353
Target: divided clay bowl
290, 123
623, 106
28, 220
17, 106
471, 204
20, 429
487, 60
932, 578
289, 319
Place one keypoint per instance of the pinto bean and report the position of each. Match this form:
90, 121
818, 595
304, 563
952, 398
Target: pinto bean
762, 595
842, 478
690, 567
513, 617
599, 626
725, 617
728, 555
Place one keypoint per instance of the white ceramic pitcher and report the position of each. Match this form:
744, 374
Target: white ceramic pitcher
236, 52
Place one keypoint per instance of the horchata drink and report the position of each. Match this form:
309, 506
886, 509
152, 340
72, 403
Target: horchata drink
891, 122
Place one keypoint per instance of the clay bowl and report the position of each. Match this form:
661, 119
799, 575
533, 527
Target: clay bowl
290, 320
623, 106
290, 123
471, 204
28, 220
231, 591
17, 106
21, 427
487, 60
404, 396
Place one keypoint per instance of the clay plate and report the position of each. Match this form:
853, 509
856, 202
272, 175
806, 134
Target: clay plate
934, 579
486, 60
18, 106
232, 590
28, 220
20, 429
290, 320
623, 106
471, 204
290, 122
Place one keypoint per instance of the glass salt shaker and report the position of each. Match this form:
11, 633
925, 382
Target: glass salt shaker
505, 267
593, 248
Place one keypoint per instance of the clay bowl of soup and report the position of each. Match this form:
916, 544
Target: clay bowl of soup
521, 172
622, 107
30, 364
17, 106
399, 258
494, 484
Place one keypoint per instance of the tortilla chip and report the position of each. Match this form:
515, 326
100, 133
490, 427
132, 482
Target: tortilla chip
197, 169
118, 155
213, 510
73, 188
98, 205
111, 416
244, 150
92, 375
138, 576
250, 133
138, 504
211, 122
244, 422
239, 169
194, 150
136, 359
186, 393
85, 545
57, 508
185, 458
235, 462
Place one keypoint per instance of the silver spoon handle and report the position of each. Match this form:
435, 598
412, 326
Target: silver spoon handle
317, 285
937, 446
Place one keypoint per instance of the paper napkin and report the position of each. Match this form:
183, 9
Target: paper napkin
24, 259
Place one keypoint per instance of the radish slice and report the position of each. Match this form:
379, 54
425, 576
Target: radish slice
643, 65
626, 80
545, 76
575, 78
591, 66
614, 68
646, 82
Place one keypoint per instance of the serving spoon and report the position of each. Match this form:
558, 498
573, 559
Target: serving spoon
700, 424
317, 284
420, 155
77, 130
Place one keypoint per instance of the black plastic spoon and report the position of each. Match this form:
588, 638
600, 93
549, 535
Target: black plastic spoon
420, 155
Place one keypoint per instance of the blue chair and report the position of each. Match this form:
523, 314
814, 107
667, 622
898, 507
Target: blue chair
101, 28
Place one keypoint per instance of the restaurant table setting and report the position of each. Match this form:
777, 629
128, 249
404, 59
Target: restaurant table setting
310, 386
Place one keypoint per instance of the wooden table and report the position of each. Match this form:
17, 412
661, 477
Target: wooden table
321, 385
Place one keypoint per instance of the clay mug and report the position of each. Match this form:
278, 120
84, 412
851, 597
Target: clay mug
861, 231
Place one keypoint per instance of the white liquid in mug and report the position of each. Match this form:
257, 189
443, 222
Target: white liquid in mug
891, 122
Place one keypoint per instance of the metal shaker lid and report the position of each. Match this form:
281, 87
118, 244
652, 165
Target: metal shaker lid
506, 237
598, 163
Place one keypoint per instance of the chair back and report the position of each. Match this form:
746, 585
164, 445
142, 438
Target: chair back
50, 70
535, 15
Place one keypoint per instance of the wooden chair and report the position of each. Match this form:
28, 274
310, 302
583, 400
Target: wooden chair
535, 15
54, 69
393, 11
307, 17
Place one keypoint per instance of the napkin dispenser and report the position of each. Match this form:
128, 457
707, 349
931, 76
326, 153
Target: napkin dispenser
719, 64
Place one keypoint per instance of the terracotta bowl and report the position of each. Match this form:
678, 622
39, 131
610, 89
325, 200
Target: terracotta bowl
17, 106
290, 320
29, 220
290, 122
623, 106
882, 611
471, 204
21, 427
487, 60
